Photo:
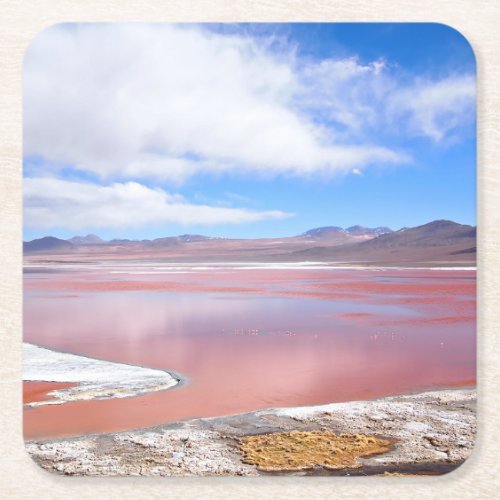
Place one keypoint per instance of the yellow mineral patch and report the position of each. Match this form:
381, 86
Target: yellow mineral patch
298, 450
397, 474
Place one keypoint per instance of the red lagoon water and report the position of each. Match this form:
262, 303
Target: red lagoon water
251, 338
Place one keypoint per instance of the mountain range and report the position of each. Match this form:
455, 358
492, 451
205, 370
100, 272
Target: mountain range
440, 242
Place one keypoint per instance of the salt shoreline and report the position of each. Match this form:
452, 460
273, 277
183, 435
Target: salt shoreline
432, 431
188, 266
94, 378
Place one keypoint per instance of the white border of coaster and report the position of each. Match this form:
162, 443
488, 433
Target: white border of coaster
476, 20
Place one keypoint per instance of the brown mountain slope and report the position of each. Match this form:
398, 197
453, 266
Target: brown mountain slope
438, 242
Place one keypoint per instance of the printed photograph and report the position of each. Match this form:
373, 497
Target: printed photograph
249, 249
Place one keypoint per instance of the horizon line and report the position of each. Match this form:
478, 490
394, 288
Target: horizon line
249, 238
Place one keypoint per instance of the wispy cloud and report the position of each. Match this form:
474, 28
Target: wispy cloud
237, 197
344, 93
51, 202
435, 109
360, 100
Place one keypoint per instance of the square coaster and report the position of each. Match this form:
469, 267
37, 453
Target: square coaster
249, 249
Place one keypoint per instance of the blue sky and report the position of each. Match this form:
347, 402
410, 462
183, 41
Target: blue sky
144, 131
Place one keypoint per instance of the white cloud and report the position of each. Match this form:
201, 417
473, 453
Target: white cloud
436, 108
167, 101
363, 99
51, 202
345, 92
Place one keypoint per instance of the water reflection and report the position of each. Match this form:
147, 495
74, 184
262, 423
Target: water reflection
244, 351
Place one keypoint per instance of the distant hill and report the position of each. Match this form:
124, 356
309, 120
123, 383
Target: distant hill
356, 230
47, 244
373, 231
335, 235
436, 233
178, 240
439, 242
90, 239
187, 238
318, 231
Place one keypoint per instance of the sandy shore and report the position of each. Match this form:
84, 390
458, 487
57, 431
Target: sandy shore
431, 432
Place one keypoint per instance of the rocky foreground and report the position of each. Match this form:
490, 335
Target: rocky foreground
426, 433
